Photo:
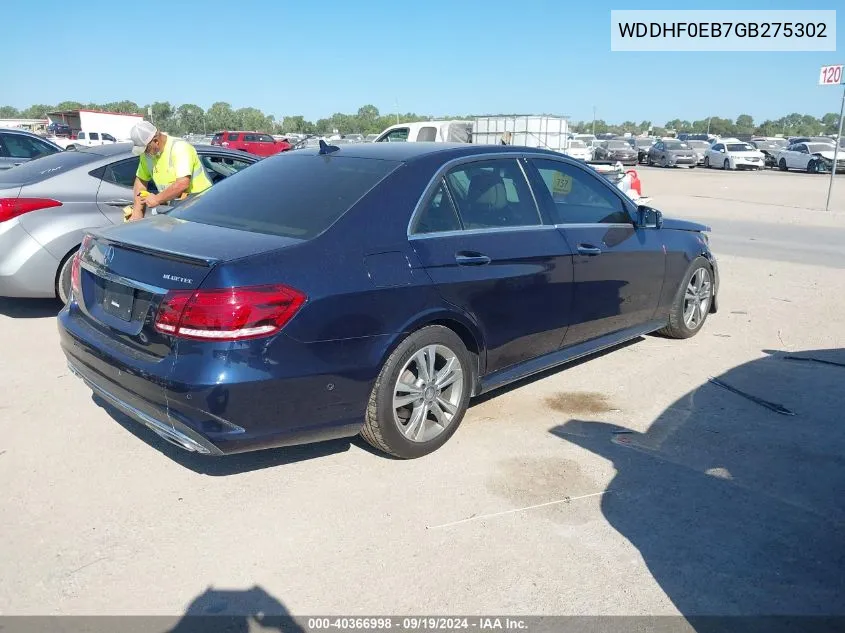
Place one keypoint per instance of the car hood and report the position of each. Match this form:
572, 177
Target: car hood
684, 225
826, 154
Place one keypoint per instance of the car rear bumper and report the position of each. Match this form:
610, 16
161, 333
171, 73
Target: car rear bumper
225, 398
27, 269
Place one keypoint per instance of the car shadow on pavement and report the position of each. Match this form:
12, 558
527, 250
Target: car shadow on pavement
225, 465
736, 509
29, 308
236, 611
523, 382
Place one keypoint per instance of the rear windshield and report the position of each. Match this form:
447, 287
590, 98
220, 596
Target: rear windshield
293, 195
675, 145
46, 167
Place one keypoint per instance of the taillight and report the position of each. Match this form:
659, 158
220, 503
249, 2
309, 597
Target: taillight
227, 313
76, 267
13, 207
225, 143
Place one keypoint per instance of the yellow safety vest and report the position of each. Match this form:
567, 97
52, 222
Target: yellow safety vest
163, 173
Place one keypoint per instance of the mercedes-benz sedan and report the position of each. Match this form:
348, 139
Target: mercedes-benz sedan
372, 289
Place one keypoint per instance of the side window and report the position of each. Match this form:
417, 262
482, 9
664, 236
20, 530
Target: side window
580, 197
94, 136
81, 136
250, 138
438, 214
122, 173
4, 153
396, 136
220, 167
718, 147
492, 194
19, 146
109, 137
427, 134
266, 138
233, 137
803, 149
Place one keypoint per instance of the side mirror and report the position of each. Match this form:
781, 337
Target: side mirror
648, 218
721, 151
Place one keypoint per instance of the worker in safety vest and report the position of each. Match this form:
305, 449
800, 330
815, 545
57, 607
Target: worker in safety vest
171, 163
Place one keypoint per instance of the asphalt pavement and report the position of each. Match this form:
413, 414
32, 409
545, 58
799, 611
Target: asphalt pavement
626, 484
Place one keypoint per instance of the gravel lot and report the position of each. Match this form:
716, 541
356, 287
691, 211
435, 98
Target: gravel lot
625, 484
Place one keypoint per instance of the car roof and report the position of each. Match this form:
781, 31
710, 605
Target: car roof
408, 152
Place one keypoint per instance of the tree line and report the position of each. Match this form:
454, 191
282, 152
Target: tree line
192, 119
794, 124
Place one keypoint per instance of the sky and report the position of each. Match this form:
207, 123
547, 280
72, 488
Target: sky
436, 58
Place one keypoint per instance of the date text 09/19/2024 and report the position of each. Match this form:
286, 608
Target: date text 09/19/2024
429, 623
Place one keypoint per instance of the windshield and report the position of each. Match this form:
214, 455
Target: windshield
618, 145
291, 194
819, 147
699, 144
578, 144
675, 145
771, 144
46, 167
740, 147
644, 142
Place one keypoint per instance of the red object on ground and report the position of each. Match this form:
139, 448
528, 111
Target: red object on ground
635, 181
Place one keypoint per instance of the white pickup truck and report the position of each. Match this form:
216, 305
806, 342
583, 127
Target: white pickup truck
86, 139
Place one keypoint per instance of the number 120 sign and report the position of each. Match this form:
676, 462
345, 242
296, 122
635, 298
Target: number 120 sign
830, 76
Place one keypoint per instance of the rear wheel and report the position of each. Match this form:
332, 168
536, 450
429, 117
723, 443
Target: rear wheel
692, 302
63, 277
707, 162
421, 394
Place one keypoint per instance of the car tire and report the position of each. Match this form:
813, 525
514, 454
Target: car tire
648, 161
707, 162
726, 165
402, 431
63, 277
813, 167
698, 277
692, 166
782, 164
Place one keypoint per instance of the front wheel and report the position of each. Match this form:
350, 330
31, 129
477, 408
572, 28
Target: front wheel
707, 162
727, 165
782, 164
692, 301
813, 167
420, 395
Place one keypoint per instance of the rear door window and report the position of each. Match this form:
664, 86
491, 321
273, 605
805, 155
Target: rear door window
94, 136
250, 138
122, 173
233, 137
20, 146
492, 194
316, 191
438, 215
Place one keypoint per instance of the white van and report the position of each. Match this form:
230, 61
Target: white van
427, 132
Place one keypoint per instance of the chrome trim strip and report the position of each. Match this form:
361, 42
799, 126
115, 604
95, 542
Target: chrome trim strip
597, 225
161, 429
497, 229
140, 285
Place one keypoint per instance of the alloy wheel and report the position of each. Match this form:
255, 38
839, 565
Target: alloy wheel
697, 298
427, 394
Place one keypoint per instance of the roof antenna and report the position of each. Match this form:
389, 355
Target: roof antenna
325, 148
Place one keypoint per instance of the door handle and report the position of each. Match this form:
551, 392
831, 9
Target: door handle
118, 203
471, 259
588, 249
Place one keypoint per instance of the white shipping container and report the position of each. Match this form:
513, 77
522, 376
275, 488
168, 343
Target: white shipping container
118, 125
546, 132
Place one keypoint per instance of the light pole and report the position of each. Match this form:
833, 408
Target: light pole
836, 150
594, 120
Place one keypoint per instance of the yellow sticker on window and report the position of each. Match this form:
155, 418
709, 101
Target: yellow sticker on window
561, 183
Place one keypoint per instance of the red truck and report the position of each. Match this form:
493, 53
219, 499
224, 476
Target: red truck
252, 142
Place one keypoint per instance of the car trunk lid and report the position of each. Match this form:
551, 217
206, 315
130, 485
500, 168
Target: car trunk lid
126, 271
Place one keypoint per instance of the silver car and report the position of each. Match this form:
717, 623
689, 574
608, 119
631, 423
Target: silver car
19, 146
47, 205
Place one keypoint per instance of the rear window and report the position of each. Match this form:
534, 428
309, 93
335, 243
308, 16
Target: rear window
292, 195
46, 167
234, 137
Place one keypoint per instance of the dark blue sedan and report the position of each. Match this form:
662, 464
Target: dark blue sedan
371, 289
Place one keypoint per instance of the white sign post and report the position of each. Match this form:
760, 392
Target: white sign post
832, 76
